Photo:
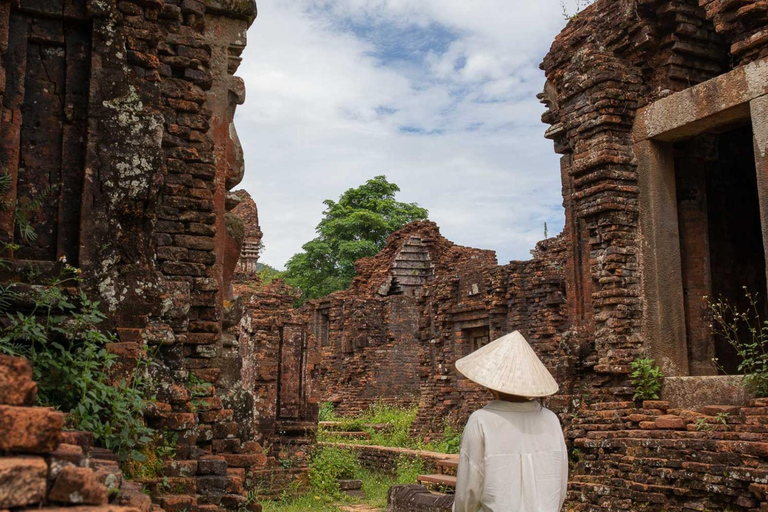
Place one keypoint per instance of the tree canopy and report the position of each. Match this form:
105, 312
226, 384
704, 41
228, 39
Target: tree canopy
354, 227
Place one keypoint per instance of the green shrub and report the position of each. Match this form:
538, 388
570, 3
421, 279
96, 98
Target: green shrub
747, 333
326, 412
328, 466
408, 468
647, 379
449, 443
59, 335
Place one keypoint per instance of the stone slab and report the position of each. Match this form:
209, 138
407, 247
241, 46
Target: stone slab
697, 392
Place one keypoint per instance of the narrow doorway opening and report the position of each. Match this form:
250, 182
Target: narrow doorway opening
721, 243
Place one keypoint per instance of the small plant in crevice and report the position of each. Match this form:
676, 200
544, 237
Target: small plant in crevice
160, 448
722, 418
747, 332
647, 379
579, 5
702, 425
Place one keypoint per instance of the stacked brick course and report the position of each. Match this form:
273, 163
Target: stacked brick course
118, 118
279, 367
367, 337
43, 466
669, 459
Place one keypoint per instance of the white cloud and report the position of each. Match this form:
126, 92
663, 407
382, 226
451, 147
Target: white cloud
326, 106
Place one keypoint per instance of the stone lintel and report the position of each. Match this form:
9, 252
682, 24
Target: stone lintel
719, 102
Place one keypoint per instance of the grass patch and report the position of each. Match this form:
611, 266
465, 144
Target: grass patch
329, 464
397, 434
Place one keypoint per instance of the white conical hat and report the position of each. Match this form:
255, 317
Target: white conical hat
509, 365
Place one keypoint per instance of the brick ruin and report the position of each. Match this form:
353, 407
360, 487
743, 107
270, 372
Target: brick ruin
117, 116
658, 110
247, 211
421, 304
368, 336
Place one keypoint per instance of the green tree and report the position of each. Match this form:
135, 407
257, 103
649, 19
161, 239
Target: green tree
354, 227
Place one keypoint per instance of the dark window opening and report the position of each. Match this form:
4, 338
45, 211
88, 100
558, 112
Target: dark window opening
478, 337
323, 327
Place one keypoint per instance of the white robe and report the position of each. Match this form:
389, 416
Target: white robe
513, 459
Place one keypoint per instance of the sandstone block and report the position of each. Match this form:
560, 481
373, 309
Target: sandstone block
78, 486
22, 481
669, 422
180, 468
178, 503
29, 429
16, 384
131, 495
244, 460
212, 465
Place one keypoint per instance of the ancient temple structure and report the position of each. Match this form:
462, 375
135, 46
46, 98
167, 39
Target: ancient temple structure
117, 120
368, 337
658, 108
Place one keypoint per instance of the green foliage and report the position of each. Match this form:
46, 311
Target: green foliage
702, 425
326, 412
387, 425
647, 379
161, 448
267, 274
328, 466
747, 333
397, 423
579, 5
408, 468
449, 443
60, 337
355, 227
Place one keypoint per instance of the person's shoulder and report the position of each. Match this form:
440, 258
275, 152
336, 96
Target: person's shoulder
547, 412
549, 415
477, 418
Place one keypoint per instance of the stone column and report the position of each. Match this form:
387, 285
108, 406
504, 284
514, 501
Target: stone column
664, 322
759, 111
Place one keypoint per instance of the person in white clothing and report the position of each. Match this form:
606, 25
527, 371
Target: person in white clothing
513, 454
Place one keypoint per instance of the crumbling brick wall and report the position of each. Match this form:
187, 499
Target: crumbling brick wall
367, 336
278, 365
118, 117
475, 305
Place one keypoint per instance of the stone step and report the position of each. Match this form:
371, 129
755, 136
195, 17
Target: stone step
352, 435
446, 480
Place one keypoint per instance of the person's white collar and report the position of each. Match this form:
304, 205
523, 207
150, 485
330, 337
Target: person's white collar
501, 405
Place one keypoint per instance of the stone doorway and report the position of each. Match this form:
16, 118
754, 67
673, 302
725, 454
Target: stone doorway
721, 244
703, 181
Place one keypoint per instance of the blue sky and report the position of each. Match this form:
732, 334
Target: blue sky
438, 95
